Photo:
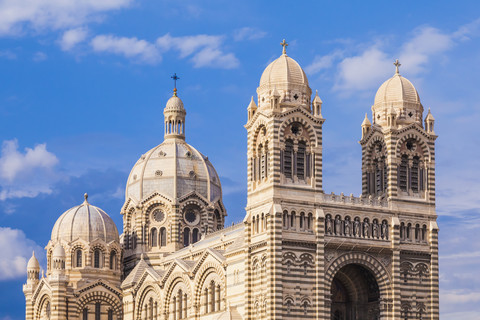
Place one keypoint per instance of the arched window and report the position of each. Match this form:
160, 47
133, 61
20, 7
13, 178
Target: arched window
212, 296
85, 314
424, 232
415, 174
79, 258
186, 237
301, 160
309, 221
134, 240
113, 260
180, 304
163, 237
402, 231
292, 220
417, 232
302, 218
408, 233
97, 311
153, 237
195, 235
219, 224
110, 314
287, 159
96, 258
402, 173
285, 219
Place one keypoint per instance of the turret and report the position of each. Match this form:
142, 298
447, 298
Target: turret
33, 270
366, 125
174, 114
58, 259
429, 122
252, 108
317, 105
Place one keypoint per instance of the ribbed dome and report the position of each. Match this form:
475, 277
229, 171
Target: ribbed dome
396, 89
58, 251
174, 169
85, 222
282, 71
174, 103
33, 263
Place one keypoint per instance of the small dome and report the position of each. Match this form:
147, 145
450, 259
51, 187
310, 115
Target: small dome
85, 222
174, 103
33, 263
174, 168
283, 70
397, 89
58, 251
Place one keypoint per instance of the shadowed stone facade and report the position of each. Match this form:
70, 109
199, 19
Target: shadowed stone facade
298, 254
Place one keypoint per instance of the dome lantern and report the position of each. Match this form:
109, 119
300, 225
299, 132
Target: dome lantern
397, 96
174, 114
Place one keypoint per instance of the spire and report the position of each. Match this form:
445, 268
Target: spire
284, 44
86, 198
397, 66
317, 98
366, 122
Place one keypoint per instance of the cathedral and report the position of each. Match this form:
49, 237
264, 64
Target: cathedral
299, 253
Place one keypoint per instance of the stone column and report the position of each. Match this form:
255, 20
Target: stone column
322, 308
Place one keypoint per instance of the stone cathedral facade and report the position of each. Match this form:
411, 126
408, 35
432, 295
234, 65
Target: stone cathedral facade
300, 253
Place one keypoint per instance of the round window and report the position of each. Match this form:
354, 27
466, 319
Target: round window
158, 215
190, 216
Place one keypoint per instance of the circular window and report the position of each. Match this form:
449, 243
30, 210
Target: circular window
158, 215
296, 129
191, 216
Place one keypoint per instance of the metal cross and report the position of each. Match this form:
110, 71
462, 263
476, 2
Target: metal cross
284, 45
397, 65
175, 78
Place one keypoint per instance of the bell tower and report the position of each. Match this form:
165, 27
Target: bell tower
398, 152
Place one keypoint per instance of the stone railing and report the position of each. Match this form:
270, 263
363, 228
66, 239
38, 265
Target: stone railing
351, 200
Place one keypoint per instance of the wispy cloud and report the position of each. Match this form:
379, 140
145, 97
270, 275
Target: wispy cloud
248, 33
18, 15
7, 54
135, 48
72, 37
39, 56
16, 251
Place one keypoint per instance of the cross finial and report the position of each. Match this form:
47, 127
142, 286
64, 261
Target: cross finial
284, 44
397, 65
175, 78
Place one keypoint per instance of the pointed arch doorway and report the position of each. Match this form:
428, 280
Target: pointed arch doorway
355, 294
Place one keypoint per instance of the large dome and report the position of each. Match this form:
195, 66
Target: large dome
396, 89
174, 169
283, 70
85, 222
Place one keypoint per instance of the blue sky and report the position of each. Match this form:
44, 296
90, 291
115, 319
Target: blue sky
84, 84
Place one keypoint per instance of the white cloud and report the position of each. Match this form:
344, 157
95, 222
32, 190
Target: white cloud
16, 251
15, 15
72, 37
248, 33
206, 50
39, 56
323, 62
426, 43
364, 71
142, 50
25, 174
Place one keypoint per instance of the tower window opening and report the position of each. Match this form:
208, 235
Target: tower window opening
186, 237
301, 160
402, 173
195, 235
110, 314
292, 220
97, 311
113, 260
415, 175
153, 237
79, 258
85, 314
287, 165
163, 237
96, 258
